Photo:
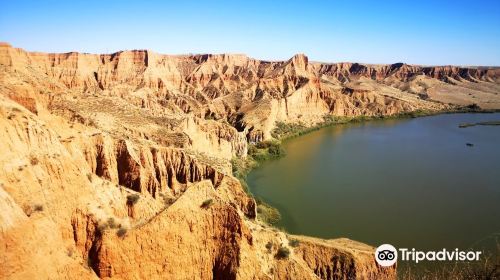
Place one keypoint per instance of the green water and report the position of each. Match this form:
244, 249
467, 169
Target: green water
410, 183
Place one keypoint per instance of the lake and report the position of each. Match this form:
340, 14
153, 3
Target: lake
411, 182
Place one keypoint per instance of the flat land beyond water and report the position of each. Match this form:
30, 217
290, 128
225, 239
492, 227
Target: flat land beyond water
412, 183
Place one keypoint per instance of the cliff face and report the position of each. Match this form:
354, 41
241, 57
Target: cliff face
249, 95
118, 166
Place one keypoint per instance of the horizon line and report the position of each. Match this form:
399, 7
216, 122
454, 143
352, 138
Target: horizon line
4, 43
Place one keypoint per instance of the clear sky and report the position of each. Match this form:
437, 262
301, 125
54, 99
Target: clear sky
418, 32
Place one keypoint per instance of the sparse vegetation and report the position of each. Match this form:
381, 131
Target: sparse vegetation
484, 270
241, 167
37, 208
70, 251
102, 227
132, 199
33, 160
267, 213
207, 203
266, 150
269, 246
121, 232
112, 223
294, 243
283, 253
167, 200
89, 177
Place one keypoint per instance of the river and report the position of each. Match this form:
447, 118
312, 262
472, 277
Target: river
411, 183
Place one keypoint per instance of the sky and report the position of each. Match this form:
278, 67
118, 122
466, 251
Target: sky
421, 32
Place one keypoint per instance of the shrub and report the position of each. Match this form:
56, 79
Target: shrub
168, 200
283, 253
33, 160
276, 151
207, 203
132, 199
121, 232
112, 223
269, 246
38, 208
266, 150
252, 150
102, 227
294, 243
70, 252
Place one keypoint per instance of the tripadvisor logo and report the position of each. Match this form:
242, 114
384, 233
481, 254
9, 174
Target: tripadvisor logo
387, 255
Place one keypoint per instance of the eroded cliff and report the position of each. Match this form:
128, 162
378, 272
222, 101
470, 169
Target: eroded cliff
118, 166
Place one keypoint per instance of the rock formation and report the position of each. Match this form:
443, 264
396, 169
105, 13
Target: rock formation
117, 166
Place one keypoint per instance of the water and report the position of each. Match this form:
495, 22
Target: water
411, 183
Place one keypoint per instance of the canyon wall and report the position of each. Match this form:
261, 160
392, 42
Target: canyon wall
118, 166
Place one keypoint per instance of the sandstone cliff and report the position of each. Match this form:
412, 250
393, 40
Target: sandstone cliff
118, 166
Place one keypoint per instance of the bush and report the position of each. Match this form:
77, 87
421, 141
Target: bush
33, 160
121, 232
37, 208
269, 246
207, 203
252, 150
266, 150
294, 243
132, 199
284, 130
276, 151
112, 223
283, 253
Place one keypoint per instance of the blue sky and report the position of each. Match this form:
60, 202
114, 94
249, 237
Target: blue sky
418, 32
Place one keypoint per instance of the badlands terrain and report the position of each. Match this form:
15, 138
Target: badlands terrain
119, 165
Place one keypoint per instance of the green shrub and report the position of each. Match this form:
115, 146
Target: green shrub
269, 246
283, 253
132, 199
112, 223
37, 208
121, 232
276, 151
294, 243
207, 203
252, 150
